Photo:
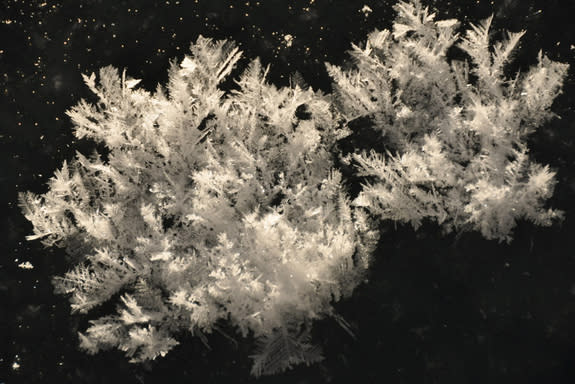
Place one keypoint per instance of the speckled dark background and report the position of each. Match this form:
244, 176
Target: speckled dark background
435, 310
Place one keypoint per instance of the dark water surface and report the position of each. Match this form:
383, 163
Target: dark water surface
435, 310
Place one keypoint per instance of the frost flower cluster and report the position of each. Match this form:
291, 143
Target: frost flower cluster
218, 202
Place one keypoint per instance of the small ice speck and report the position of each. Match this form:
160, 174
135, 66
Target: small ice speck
366, 10
26, 265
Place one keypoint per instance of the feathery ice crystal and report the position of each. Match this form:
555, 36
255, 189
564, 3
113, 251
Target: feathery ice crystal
454, 133
209, 206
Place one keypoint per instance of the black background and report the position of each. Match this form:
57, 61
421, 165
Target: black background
436, 309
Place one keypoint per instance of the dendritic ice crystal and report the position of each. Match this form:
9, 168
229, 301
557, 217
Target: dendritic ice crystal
216, 204
454, 132
208, 206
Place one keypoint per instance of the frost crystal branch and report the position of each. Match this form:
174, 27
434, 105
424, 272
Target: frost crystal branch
455, 132
209, 206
